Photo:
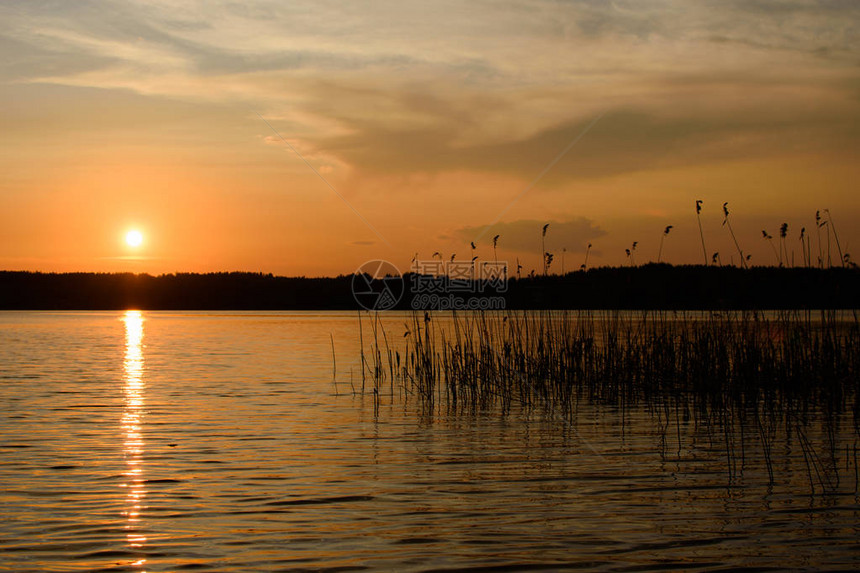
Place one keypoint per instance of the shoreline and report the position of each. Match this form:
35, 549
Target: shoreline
646, 287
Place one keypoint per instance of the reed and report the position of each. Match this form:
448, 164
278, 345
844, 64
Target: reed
769, 238
474, 258
641, 354
804, 247
836, 237
584, 265
701, 233
746, 372
728, 224
818, 225
543, 247
783, 250
631, 254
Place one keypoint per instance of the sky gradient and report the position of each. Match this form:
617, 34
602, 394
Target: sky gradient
421, 124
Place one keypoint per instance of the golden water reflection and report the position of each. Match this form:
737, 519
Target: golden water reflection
132, 423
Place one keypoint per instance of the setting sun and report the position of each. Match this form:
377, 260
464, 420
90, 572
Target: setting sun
610, 247
134, 238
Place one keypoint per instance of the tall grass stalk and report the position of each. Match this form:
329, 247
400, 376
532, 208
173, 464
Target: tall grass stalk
728, 224
543, 247
818, 225
701, 233
783, 233
585, 263
804, 250
835, 236
769, 238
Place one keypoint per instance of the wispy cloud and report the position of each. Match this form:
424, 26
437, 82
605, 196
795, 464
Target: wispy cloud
434, 113
414, 87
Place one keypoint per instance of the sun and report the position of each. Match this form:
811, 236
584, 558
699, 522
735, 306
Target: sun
134, 238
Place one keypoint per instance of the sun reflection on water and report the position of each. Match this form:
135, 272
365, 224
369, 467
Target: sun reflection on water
132, 421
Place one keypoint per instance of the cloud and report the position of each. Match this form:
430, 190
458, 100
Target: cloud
525, 235
773, 120
511, 44
407, 87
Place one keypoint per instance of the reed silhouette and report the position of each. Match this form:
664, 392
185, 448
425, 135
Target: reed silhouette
584, 264
728, 224
543, 247
741, 376
835, 236
783, 252
701, 233
769, 238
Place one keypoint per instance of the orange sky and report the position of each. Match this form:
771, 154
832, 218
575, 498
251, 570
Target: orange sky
427, 122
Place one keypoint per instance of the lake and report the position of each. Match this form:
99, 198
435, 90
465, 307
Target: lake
160, 441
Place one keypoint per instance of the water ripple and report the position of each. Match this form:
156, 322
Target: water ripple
215, 442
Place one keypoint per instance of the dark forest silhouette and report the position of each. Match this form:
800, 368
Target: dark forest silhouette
650, 286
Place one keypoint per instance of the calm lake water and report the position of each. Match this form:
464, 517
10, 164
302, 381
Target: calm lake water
219, 442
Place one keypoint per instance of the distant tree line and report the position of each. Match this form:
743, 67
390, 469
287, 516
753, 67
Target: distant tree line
653, 286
